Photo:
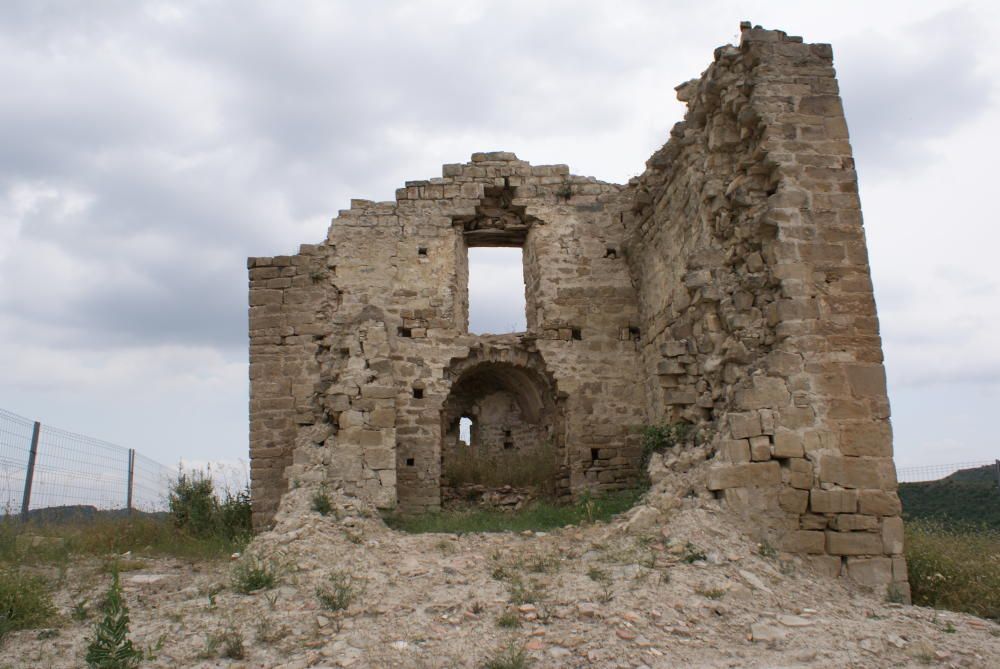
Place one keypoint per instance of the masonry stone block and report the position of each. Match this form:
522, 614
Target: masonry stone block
853, 543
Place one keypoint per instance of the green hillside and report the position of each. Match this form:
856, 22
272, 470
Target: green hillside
969, 496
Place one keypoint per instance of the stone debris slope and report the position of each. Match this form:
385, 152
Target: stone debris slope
639, 592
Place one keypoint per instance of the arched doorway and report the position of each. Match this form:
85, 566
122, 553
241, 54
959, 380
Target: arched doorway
514, 429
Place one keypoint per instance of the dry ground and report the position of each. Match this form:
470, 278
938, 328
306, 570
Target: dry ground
693, 593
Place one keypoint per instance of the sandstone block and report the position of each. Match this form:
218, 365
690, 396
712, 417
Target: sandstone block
745, 425
866, 380
748, 475
899, 570
852, 472
760, 448
680, 396
765, 392
872, 439
793, 501
787, 445
854, 522
833, 501
879, 503
872, 572
803, 541
853, 543
892, 535
380, 458
736, 450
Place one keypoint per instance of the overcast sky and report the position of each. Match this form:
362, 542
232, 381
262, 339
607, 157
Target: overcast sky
148, 148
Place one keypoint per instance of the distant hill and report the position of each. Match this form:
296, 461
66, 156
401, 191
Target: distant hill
969, 496
79, 513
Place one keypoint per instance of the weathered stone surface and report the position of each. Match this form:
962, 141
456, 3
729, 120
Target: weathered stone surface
726, 287
853, 543
833, 501
747, 475
873, 571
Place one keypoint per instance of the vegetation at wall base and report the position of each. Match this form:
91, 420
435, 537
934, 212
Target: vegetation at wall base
199, 525
25, 602
954, 567
539, 515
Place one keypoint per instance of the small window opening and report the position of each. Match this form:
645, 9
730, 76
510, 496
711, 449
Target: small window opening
496, 290
611, 252
634, 333
508, 445
410, 462
594, 453
506, 433
422, 251
405, 332
418, 393
465, 430
576, 334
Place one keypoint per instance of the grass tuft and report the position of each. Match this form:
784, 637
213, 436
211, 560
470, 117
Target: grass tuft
25, 602
539, 515
252, 574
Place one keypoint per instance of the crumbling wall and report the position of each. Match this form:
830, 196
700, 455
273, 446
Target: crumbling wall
354, 341
745, 239
726, 287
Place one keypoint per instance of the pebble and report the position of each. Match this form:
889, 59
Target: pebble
627, 635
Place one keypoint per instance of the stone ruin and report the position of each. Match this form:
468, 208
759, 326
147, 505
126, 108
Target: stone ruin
726, 287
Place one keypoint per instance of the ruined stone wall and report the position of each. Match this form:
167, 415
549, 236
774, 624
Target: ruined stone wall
726, 287
356, 342
745, 239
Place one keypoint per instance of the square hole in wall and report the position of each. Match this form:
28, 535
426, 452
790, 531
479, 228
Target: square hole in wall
594, 453
508, 445
422, 251
576, 333
405, 332
634, 333
611, 252
418, 393
410, 462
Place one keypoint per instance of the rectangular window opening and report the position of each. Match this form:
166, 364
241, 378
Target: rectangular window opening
410, 462
405, 332
576, 334
496, 290
594, 453
611, 252
418, 393
422, 251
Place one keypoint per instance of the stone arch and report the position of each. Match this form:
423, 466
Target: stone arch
518, 410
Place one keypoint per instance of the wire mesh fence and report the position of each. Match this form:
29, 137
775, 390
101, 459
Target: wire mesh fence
935, 472
42, 467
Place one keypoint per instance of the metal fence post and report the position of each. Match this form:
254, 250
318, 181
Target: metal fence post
29, 475
131, 477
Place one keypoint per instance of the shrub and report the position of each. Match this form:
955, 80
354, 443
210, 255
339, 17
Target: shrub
658, 438
511, 657
195, 508
194, 505
954, 567
25, 602
111, 648
253, 574
321, 502
339, 594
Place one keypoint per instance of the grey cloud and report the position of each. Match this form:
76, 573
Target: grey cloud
899, 94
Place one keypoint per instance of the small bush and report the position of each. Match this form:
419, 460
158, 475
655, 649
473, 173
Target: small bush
954, 567
25, 602
195, 508
511, 657
321, 503
509, 619
252, 574
232, 644
658, 438
111, 648
339, 594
